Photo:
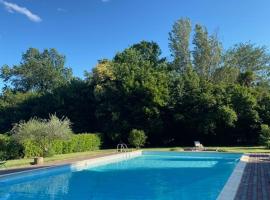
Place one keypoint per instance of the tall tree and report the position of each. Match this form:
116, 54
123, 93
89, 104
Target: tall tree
206, 53
249, 59
129, 91
179, 39
215, 53
38, 71
149, 51
226, 74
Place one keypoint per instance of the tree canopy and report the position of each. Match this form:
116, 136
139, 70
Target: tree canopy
202, 92
38, 71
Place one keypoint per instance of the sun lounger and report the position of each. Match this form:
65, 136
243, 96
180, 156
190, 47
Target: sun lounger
198, 146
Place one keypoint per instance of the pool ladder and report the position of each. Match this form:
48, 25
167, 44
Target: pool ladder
122, 148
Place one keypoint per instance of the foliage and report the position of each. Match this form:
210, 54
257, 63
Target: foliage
38, 71
137, 138
265, 135
130, 92
206, 53
227, 115
247, 57
179, 39
30, 148
9, 148
42, 133
202, 92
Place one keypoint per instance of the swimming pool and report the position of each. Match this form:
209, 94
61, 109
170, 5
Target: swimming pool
153, 175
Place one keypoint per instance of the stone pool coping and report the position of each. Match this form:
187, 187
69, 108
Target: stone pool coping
230, 189
73, 164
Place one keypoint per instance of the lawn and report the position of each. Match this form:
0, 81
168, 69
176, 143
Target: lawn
26, 162
248, 149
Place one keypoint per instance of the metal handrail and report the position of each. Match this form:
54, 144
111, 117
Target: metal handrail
122, 147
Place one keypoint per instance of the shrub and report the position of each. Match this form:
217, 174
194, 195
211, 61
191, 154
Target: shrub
31, 149
137, 138
265, 135
41, 133
28, 148
9, 148
14, 149
3, 142
2, 155
76, 143
57, 146
82, 142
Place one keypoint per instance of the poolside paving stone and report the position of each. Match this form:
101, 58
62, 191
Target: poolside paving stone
255, 182
52, 164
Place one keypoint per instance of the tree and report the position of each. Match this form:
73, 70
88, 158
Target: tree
264, 108
38, 71
137, 138
130, 92
245, 105
249, 58
265, 135
149, 51
42, 132
246, 78
206, 53
227, 115
225, 74
179, 39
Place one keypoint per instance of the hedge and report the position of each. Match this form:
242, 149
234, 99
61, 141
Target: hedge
77, 143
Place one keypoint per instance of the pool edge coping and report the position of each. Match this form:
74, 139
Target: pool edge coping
73, 165
230, 189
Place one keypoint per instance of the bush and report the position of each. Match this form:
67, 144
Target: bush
14, 149
41, 133
2, 155
3, 142
265, 135
137, 138
76, 143
57, 146
82, 142
9, 148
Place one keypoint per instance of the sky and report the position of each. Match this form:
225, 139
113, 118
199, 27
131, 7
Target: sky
88, 30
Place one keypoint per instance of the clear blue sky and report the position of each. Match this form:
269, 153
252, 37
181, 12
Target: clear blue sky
88, 30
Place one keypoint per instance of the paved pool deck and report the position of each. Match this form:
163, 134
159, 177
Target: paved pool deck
52, 164
255, 182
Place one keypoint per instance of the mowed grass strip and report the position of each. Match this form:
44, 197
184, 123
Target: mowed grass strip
25, 162
62, 157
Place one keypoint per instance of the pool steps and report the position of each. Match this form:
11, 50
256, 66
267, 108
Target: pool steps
81, 165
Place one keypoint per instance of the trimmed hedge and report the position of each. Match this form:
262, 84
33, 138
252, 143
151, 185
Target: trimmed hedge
77, 143
85, 142
28, 149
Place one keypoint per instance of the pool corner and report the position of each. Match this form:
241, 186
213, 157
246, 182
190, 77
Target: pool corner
229, 191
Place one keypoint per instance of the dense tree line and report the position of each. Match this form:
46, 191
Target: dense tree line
203, 92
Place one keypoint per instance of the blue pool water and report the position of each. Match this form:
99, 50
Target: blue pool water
154, 175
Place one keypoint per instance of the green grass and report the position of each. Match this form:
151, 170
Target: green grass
254, 149
27, 162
